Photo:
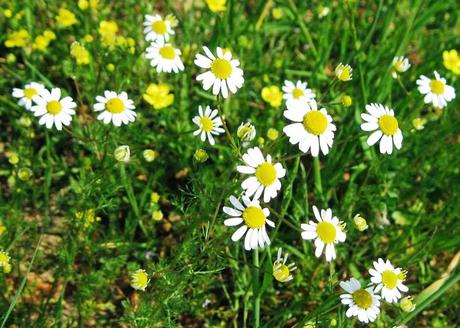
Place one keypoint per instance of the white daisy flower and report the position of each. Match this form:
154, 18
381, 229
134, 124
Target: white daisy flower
117, 108
25, 95
399, 65
246, 132
297, 93
208, 124
327, 232
313, 129
436, 91
253, 219
383, 122
343, 72
388, 279
164, 57
224, 73
52, 109
281, 270
157, 28
265, 175
362, 303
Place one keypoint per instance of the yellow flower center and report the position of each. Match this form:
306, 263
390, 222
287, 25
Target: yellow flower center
30, 92
54, 107
297, 93
141, 279
266, 174
280, 272
115, 106
344, 73
3, 259
362, 298
388, 124
221, 68
254, 217
159, 27
315, 122
326, 232
167, 52
437, 87
206, 124
389, 279
399, 66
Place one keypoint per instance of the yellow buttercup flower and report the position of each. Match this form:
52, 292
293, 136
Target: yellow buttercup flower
216, 5
451, 61
83, 4
277, 13
272, 94
154, 197
158, 95
80, 53
66, 18
157, 215
108, 31
17, 39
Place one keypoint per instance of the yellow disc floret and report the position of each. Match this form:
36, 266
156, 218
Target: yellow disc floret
221, 68
115, 106
389, 279
54, 107
167, 52
326, 232
30, 92
254, 217
437, 87
206, 124
159, 27
362, 298
280, 272
266, 174
315, 122
388, 124
297, 93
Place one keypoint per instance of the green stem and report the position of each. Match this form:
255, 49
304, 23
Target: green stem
255, 289
131, 197
48, 176
318, 184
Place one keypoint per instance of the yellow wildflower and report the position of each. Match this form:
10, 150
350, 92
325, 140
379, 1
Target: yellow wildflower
216, 5
154, 197
277, 13
108, 31
7, 13
150, 155
88, 38
24, 173
4, 258
346, 100
201, 155
157, 215
87, 218
83, 4
10, 58
272, 94
13, 157
451, 61
66, 18
272, 134
140, 280
158, 95
17, 39
80, 53
419, 123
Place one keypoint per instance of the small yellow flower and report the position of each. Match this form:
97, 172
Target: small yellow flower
260, 141
407, 304
172, 19
88, 38
346, 100
17, 39
451, 61
13, 157
272, 134
7, 13
216, 5
50, 35
66, 18
343, 72
272, 94
157, 215
108, 31
201, 155
83, 4
41, 42
150, 155
4, 258
88, 217
122, 154
24, 173
360, 222
277, 13
140, 280
110, 67
10, 58
80, 53
158, 95
418, 123
154, 197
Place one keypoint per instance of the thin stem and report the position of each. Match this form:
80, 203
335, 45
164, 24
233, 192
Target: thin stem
48, 176
318, 184
132, 199
255, 289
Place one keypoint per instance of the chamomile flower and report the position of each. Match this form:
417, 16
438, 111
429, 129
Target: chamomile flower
313, 129
253, 220
399, 65
224, 73
407, 304
436, 91
282, 271
140, 280
4, 258
164, 57
343, 72
157, 28
297, 93
25, 95
116, 108
53, 110
265, 175
327, 232
383, 122
388, 279
246, 132
209, 124
362, 303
